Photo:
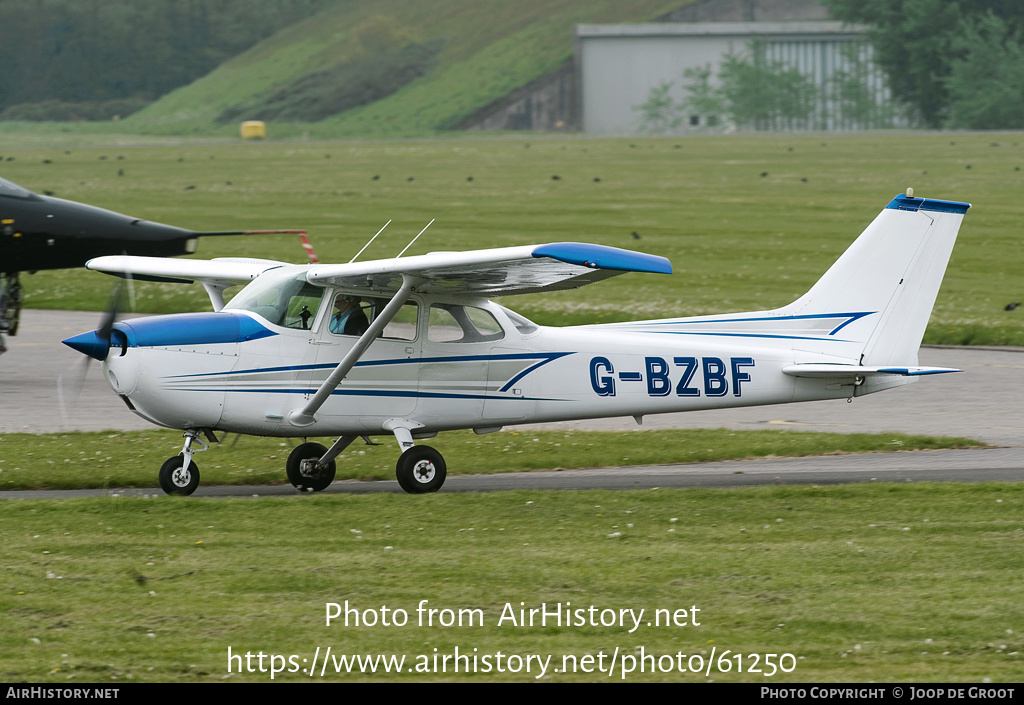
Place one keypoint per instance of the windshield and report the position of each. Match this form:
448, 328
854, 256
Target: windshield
9, 188
282, 297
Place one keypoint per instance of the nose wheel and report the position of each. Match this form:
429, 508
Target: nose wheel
179, 475
178, 478
420, 470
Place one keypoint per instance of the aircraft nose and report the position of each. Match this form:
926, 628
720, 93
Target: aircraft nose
92, 344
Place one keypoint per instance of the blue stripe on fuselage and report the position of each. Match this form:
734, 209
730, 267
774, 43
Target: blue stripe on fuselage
542, 359
664, 326
365, 393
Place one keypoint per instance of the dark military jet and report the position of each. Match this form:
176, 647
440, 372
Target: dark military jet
42, 232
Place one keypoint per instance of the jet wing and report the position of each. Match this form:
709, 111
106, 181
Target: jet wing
493, 272
223, 270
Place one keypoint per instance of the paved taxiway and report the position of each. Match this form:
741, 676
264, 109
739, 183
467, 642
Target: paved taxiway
985, 402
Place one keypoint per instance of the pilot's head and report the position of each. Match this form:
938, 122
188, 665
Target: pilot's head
343, 302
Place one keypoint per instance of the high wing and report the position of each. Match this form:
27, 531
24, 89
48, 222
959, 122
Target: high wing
215, 275
184, 271
494, 272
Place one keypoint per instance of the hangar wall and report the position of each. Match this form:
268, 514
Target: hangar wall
619, 65
598, 89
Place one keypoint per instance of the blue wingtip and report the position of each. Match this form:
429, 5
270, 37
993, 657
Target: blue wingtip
604, 257
90, 344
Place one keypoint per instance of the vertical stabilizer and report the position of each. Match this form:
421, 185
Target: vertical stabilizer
889, 278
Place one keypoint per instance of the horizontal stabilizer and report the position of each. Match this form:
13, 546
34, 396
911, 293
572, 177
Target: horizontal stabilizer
843, 371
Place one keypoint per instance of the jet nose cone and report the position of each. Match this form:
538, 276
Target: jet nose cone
91, 344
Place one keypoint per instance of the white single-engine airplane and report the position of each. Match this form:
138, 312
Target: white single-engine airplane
412, 346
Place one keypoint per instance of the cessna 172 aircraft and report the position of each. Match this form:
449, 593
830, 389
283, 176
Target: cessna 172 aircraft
42, 232
412, 346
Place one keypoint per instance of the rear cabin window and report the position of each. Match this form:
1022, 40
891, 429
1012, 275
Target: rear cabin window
454, 323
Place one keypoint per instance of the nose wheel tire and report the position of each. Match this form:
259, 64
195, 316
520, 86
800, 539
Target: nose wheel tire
302, 472
421, 469
175, 478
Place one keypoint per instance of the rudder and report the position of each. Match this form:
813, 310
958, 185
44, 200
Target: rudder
890, 276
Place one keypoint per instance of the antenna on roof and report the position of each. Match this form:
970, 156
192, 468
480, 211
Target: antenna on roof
368, 243
417, 237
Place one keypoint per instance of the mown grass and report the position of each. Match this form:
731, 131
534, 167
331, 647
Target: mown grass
749, 222
131, 459
860, 583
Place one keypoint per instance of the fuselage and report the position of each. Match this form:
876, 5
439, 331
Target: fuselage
412, 346
442, 364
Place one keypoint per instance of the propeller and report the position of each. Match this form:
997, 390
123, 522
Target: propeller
96, 345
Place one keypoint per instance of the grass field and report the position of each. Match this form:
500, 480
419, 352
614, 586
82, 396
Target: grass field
131, 459
749, 222
860, 583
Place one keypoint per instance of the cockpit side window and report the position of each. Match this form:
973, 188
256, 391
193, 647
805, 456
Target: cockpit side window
455, 323
302, 307
353, 314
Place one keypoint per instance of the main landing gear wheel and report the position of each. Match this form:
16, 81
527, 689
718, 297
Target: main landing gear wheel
302, 470
175, 478
421, 469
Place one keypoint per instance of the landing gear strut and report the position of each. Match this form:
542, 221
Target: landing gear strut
311, 467
179, 475
177, 478
10, 305
420, 470
304, 469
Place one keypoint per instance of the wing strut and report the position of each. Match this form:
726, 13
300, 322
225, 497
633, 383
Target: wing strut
305, 415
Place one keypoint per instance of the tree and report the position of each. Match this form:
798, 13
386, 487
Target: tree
763, 93
755, 92
659, 114
918, 43
61, 52
703, 99
986, 87
856, 94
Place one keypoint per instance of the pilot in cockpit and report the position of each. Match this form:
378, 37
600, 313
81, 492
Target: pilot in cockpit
348, 317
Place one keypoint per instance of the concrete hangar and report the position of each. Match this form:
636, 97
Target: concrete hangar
617, 66
614, 68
